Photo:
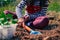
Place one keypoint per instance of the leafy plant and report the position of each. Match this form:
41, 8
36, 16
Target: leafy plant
7, 19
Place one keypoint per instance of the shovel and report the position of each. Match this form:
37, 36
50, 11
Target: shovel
31, 31
28, 28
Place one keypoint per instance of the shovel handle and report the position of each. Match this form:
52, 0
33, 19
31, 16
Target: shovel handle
27, 28
23, 25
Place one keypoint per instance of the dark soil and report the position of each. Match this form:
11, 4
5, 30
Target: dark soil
50, 32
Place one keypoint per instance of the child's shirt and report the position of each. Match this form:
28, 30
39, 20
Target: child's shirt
23, 3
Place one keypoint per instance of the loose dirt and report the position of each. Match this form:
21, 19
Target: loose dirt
50, 32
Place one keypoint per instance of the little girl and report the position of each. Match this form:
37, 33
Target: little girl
35, 12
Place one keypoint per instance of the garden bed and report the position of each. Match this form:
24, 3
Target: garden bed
51, 32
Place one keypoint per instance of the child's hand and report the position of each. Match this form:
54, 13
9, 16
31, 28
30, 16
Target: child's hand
20, 21
6, 12
26, 18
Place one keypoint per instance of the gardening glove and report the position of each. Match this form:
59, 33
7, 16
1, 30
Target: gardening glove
35, 32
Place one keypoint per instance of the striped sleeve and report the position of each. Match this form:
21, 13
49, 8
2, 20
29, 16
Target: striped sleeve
44, 8
19, 8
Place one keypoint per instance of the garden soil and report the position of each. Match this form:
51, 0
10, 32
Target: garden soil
50, 32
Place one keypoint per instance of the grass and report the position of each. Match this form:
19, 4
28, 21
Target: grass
55, 6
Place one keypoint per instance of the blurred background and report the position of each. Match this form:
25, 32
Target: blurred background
54, 8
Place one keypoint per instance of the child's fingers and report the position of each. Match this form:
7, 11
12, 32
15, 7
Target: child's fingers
26, 17
6, 11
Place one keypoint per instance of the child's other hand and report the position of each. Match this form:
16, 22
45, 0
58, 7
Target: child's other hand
6, 12
26, 17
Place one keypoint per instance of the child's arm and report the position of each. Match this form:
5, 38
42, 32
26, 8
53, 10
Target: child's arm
19, 8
